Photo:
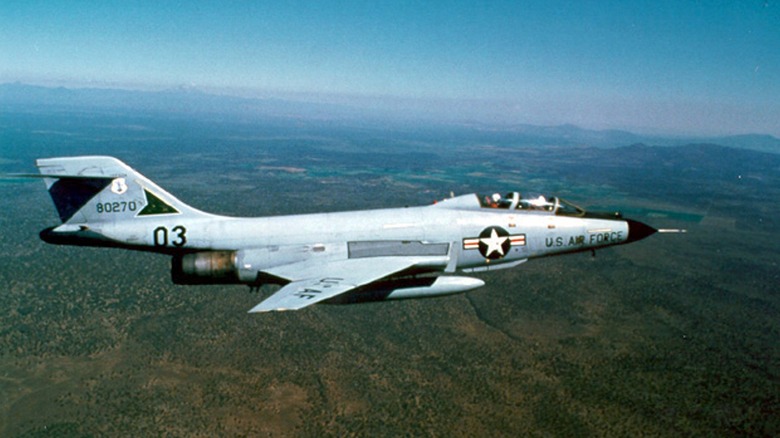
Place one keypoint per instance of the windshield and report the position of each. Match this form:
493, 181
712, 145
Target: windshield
566, 208
514, 201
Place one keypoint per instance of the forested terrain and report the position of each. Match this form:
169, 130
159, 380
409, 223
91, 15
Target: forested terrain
673, 335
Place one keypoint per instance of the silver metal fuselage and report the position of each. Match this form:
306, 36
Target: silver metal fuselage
454, 224
338, 258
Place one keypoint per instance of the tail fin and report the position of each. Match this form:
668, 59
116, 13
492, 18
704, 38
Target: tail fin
95, 189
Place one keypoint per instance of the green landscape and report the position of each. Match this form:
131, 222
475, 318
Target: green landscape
676, 335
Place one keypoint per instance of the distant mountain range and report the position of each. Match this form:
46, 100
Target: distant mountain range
179, 100
185, 100
572, 135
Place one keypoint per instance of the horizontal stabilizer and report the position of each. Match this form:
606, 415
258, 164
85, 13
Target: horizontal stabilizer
57, 176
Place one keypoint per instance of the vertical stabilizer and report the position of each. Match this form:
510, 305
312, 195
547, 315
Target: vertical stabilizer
94, 189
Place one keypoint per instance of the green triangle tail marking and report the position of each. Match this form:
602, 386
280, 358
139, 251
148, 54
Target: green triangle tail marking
155, 205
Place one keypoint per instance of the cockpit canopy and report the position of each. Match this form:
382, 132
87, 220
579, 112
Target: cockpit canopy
514, 201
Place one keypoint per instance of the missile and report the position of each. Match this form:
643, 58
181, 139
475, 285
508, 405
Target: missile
419, 287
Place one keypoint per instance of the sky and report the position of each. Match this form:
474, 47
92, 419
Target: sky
679, 67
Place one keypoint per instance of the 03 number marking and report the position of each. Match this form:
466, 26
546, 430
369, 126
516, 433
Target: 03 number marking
176, 236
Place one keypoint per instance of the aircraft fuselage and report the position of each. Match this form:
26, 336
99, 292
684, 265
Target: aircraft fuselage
462, 238
339, 257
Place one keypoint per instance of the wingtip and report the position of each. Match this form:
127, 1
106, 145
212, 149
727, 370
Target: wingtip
262, 309
258, 309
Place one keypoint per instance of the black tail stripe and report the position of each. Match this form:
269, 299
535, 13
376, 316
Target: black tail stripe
71, 194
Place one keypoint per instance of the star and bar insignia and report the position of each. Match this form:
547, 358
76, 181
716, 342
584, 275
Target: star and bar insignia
494, 242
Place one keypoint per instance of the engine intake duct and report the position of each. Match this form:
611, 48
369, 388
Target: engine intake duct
208, 267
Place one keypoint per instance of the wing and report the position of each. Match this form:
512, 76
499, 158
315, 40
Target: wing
312, 283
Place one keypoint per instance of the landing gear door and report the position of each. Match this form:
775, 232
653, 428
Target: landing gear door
454, 257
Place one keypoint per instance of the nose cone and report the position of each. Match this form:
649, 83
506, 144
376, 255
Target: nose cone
638, 230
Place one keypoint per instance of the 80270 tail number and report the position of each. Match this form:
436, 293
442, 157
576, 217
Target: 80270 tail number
115, 207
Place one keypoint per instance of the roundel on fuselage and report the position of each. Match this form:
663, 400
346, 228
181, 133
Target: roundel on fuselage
494, 243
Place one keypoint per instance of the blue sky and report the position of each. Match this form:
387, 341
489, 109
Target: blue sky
703, 67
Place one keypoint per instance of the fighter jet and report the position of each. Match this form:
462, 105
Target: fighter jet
335, 258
